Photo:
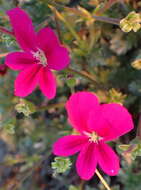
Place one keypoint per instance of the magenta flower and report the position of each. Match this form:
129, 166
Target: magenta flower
41, 53
97, 124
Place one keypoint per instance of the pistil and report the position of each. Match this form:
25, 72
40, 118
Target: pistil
93, 137
40, 57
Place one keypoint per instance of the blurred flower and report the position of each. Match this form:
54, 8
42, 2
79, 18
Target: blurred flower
3, 69
136, 64
96, 124
42, 52
131, 22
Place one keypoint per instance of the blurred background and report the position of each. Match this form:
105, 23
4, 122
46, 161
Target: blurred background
104, 59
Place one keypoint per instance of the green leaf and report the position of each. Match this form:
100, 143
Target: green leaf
9, 126
72, 187
8, 40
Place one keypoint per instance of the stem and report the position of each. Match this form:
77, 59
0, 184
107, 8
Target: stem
81, 186
83, 74
16, 2
107, 20
73, 32
130, 149
4, 30
102, 180
57, 105
3, 55
68, 25
58, 28
139, 127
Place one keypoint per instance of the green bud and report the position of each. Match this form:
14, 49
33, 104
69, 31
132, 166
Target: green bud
61, 164
71, 82
115, 96
25, 107
133, 150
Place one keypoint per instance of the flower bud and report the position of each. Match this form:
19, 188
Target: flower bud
131, 22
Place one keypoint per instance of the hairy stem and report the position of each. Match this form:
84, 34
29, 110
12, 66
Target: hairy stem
102, 180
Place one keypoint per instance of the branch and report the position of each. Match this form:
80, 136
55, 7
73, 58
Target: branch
4, 30
139, 127
107, 20
3, 55
58, 27
102, 180
57, 105
83, 74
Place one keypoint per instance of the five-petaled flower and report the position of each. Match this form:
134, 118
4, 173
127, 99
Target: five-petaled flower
41, 53
96, 124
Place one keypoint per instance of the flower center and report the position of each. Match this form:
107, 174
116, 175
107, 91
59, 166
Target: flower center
93, 137
40, 57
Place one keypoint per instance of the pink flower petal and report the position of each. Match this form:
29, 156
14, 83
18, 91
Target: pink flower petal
119, 118
69, 145
26, 81
107, 159
111, 121
47, 82
23, 29
87, 161
57, 55
19, 60
58, 59
47, 40
79, 107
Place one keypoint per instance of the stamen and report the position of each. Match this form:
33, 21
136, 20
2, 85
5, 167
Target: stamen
40, 57
93, 137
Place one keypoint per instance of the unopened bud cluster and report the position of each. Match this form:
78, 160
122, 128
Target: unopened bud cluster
25, 107
61, 165
131, 22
